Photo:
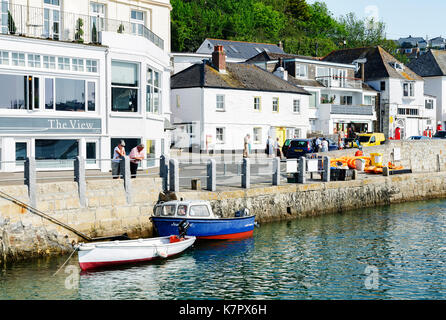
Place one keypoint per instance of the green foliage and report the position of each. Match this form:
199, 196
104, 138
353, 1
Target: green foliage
94, 33
305, 29
11, 24
78, 36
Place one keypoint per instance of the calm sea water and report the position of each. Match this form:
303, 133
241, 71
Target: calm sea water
396, 252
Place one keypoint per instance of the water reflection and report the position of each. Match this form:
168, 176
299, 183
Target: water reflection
396, 252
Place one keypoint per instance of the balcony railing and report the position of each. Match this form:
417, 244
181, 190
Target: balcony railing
352, 110
340, 82
55, 24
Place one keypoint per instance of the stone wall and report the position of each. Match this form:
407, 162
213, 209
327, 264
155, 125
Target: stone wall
24, 234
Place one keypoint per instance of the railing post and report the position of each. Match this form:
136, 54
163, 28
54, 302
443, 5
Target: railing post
327, 169
276, 171
211, 175
174, 175
301, 178
246, 173
125, 173
30, 179
79, 177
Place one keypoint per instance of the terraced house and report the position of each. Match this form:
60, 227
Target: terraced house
219, 103
339, 101
76, 76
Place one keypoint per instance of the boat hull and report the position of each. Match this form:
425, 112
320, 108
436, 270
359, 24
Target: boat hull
105, 254
211, 229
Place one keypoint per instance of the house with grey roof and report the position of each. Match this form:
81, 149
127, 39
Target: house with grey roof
437, 43
412, 42
432, 67
339, 102
238, 49
402, 98
218, 103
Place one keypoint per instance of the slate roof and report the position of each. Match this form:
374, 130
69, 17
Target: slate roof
430, 64
412, 40
271, 56
240, 76
378, 65
240, 49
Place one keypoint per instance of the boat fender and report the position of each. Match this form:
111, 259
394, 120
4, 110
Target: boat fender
161, 253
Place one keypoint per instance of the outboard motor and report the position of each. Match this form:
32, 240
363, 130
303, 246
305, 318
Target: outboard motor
183, 226
242, 213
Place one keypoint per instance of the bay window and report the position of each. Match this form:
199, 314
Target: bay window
153, 91
125, 86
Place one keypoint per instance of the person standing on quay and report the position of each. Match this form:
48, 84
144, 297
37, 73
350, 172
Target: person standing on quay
136, 156
324, 144
269, 147
118, 153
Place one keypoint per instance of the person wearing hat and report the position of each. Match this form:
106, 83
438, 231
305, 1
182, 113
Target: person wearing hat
136, 155
118, 153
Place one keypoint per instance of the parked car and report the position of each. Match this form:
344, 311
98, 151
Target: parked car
418, 138
285, 146
440, 135
369, 139
297, 148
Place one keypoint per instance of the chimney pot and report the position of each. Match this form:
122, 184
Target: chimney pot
219, 58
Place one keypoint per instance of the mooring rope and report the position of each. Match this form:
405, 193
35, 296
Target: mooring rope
75, 249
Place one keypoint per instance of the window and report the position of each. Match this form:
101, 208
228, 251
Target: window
21, 151
257, 103
429, 104
346, 100
4, 57
169, 210
182, 210
56, 149
137, 22
383, 86
408, 89
92, 66
91, 88
323, 76
19, 92
34, 60
153, 104
220, 135
199, 211
313, 100
296, 106
49, 94
78, 64
51, 19
97, 19
49, 62
301, 71
70, 95
18, 59
408, 112
125, 86
257, 135
91, 152
369, 100
4, 17
275, 104
220, 102
63, 63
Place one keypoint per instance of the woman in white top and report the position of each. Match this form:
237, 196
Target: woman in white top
118, 153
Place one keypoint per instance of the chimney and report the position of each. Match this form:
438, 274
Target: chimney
219, 59
281, 73
363, 72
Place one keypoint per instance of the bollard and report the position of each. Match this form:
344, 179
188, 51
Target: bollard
386, 171
355, 174
276, 171
211, 175
246, 173
174, 175
30, 179
125, 173
79, 177
327, 169
302, 170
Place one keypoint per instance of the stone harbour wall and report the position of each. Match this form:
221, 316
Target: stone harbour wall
107, 213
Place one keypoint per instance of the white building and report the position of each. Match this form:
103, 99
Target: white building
67, 91
338, 101
402, 98
432, 67
220, 103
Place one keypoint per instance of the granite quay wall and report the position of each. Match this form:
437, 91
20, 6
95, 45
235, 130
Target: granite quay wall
106, 212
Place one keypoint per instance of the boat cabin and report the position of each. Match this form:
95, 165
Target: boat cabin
184, 209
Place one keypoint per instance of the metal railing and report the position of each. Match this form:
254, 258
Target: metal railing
354, 110
340, 82
60, 25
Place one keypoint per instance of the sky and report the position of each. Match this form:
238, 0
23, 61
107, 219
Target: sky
402, 17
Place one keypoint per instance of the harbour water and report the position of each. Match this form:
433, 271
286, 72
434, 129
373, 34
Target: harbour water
393, 252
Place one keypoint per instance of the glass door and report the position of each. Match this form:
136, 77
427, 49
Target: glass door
51, 19
97, 20
92, 155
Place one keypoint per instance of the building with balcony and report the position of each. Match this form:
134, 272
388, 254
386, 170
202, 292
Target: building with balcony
402, 100
217, 104
339, 102
78, 76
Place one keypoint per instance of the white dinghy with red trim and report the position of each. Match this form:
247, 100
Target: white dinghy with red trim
103, 254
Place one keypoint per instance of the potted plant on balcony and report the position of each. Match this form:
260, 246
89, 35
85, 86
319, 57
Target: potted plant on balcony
11, 24
94, 33
79, 31
121, 28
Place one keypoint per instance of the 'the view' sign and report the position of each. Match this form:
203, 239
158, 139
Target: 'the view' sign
49, 125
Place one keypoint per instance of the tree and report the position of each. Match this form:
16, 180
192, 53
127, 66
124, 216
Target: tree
79, 30
11, 24
94, 33
362, 32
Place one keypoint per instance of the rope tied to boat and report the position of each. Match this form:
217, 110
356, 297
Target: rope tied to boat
75, 249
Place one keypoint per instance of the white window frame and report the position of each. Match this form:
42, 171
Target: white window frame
51, 62
135, 23
220, 105
410, 89
223, 135
257, 104
19, 60
65, 62
257, 135
4, 57
91, 66
152, 109
299, 68
78, 64
276, 104
296, 110
34, 60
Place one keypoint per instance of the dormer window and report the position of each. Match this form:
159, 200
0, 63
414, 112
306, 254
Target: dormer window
301, 71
